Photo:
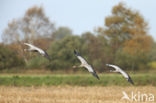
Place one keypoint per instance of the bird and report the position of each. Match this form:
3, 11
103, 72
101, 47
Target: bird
85, 65
118, 69
33, 48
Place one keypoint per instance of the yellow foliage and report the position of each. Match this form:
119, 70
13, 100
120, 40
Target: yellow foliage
138, 44
152, 64
113, 20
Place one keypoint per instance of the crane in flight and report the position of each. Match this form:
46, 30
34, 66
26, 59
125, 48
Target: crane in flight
119, 70
33, 48
86, 65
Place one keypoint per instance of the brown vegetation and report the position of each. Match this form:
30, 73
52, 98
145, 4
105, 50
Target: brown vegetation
68, 94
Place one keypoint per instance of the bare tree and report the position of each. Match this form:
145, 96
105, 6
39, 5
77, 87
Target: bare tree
32, 26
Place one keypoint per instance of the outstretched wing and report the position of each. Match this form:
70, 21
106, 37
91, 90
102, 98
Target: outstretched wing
39, 50
46, 55
130, 80
95, 75
86, 65
34, 48
125, 75
114, 66
82, 60
91, 70
30, 45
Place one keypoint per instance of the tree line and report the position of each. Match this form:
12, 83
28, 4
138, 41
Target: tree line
123, 40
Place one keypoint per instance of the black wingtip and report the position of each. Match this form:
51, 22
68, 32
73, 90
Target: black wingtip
130, 80
76, 53
95, 75
47, 56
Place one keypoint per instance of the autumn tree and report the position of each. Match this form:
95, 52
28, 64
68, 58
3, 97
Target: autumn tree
124, 24
127, 34
152, 52
9, 58
138, 45
138, 48
61, 52
95, 48
33, 26
61, 32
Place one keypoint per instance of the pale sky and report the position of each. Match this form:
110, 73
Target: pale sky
79, 15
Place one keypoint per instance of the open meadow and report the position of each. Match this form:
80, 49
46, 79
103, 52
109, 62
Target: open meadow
76, 88
71, 94
28, 80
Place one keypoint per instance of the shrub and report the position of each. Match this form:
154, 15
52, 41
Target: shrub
9, 58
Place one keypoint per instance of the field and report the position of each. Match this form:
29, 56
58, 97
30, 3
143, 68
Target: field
74, 88
76, 80
70, 94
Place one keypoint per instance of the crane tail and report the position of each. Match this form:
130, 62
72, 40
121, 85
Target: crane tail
95, 75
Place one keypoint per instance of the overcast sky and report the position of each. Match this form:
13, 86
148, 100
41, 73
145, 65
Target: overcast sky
79, 15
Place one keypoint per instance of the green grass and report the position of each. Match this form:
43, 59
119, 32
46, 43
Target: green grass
76, 80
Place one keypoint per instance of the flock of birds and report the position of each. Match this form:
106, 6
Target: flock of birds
84, 63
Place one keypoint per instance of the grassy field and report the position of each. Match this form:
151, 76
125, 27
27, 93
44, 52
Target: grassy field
71, 94
76, 80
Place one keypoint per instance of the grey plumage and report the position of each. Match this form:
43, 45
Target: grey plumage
95, 75
119, 70
86, 65
33, 48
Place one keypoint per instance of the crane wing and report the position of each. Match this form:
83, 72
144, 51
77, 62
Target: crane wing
30, 45
126, 75
122, 72
114, 66
130, 80
91, 70
82, 60
86, 65
47, 56
34, 48
39, 50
